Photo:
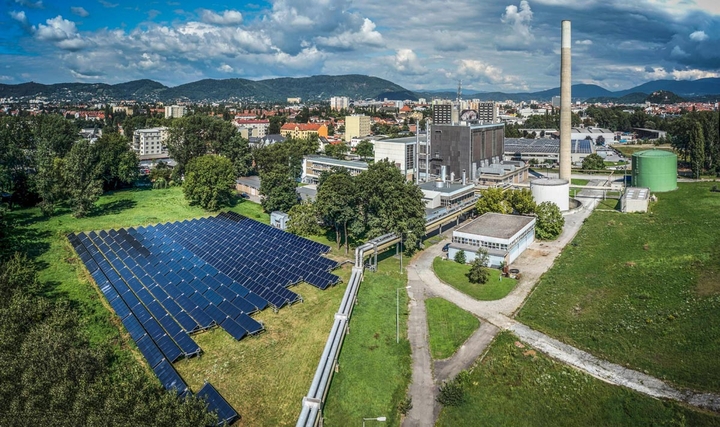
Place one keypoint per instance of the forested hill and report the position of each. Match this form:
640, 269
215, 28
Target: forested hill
307, 88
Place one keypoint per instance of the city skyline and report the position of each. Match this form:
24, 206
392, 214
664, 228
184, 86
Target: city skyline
510, 46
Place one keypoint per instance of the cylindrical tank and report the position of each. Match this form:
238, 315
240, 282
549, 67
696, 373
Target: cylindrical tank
551, 190
654, 169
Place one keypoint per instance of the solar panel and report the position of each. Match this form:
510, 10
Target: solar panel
150, 350
233, 328
169, 377
216, 403
169, 348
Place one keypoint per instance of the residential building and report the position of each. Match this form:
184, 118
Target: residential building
295, 100
339, 102
444, 114
150, 141
504, 237
174, 111
123, 109
357, 126
486, 112
313, 166
252, 128
304, 130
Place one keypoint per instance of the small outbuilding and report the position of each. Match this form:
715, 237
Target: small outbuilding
635, 200
504, 237
279, 219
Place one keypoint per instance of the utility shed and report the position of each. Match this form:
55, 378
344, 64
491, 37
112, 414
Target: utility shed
279, 219
504, 237
635, 200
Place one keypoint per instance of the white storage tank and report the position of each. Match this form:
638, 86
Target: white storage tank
551, 190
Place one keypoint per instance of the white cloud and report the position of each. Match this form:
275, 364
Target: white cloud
519, 20
474, 69
227, 17
407, 62
699, 36
27, 3
584, 42
6, 78
20, 17
57, 29
225, 68
678, 52
79, 11
350, 39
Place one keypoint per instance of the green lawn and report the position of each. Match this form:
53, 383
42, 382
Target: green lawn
449, 326
515, 386
642, 290
577, 181
609, 204
374, 371
453, 274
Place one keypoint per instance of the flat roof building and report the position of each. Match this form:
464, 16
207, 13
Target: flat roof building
398, 151
443, 194
504, 237
150, 141
635, 200
357, 126
314, 166
464, 148
545, 150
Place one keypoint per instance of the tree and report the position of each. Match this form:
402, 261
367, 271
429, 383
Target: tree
278, 189
195, 135
460, 257
593, 162
160, 171
117, 162
365, 149
210, 182
336, 202
337, 151
82, 178
48, 178
493, 200
479, 272
600, 140
549, 222
304, 220
697, 149
237, 149
521, 201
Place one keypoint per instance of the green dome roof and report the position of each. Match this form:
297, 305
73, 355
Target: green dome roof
654, 153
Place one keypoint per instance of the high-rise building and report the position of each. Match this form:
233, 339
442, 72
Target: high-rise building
174, 111
150, 141
339, 102
357, 126
487, 112
464, 148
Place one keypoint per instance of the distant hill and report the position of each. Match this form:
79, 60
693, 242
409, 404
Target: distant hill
317, 88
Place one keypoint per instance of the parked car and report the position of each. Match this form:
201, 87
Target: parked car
446, 247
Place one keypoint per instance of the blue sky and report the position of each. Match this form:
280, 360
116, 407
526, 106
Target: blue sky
504, 45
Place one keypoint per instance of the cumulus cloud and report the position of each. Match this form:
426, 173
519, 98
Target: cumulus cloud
407, 62
20, 17
351, 39
584, 42
79, 11
472, 69
225, 68
227, 17
699, 36
519, 19
31, 4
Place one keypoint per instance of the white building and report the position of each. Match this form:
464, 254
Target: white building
174, 111
252, 128
357, 126
314, 166
399, 151
339, 102
593, 133
504, 237
150, 141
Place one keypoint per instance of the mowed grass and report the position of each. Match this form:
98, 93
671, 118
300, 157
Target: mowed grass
449, 326
453, 274
517, 386
578, 181
642, 290
265, 377
374, 371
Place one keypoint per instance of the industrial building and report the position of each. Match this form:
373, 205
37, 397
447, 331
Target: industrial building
150, 141
463, 148
556, 191
444, 194
654, 169
313, 166
504, 237
357, 126
507, 172
398, 151
545, 150
635, 200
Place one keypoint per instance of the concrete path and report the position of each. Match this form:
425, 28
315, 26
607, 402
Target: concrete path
497, 315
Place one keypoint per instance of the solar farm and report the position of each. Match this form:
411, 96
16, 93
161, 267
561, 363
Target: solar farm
169, 281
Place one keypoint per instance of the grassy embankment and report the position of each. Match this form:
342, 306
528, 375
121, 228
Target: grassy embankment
516, 386
642, 290
453, 274
448, 327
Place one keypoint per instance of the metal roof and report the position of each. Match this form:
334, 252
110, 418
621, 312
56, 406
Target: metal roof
497, 225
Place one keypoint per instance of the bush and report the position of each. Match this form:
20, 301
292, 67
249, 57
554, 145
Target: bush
405, 405
160, 184
460, 257
479, 273
452, 393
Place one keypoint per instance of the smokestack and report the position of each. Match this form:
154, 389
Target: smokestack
464, 181
565, 96
452, 176
443, 173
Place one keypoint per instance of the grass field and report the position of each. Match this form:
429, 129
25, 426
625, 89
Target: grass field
642, 290
515, 386
448, 327
263, 377
374, 371
453, 274
578, 181
613, 204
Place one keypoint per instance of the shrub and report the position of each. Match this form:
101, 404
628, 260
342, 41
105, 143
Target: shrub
452, 393
460, 257
405, 405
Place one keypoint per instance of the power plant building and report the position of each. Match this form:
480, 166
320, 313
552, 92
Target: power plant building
464, 148
504, 237
398, 151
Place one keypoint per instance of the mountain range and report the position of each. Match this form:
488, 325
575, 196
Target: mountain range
317, 88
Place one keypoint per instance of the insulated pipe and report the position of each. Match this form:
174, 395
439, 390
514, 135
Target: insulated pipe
565, 99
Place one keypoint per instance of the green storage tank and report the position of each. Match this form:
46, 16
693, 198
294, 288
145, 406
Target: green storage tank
654, 169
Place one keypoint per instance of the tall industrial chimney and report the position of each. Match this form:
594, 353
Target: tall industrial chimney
565, 95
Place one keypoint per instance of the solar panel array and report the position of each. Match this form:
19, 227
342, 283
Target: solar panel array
167, 281
545, 145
